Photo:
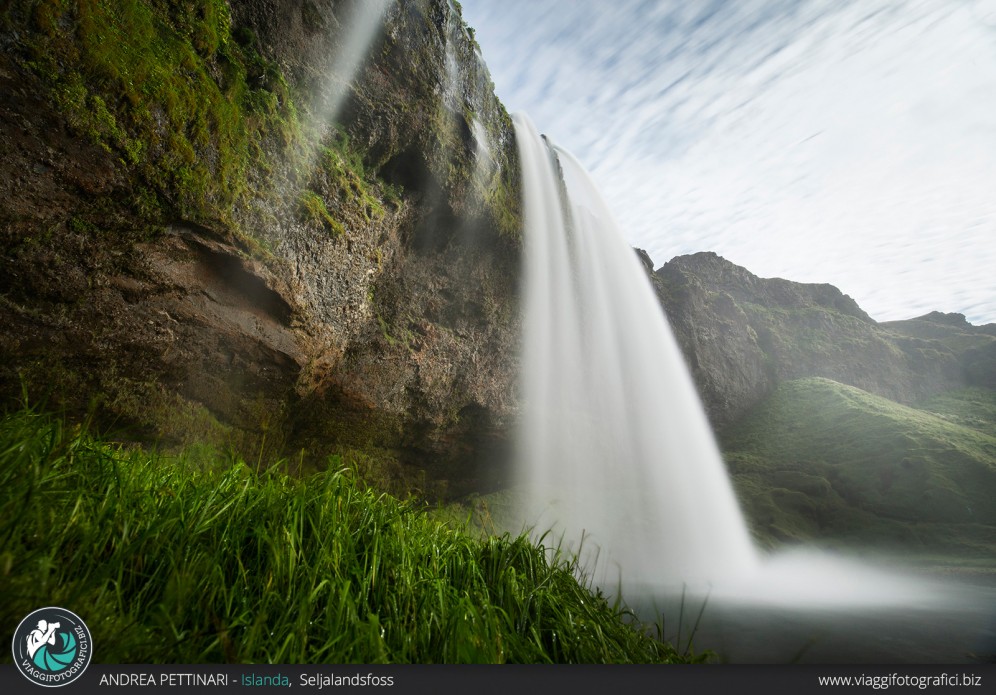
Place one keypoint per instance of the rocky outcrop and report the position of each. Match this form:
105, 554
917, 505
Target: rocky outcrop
742, 335
232, 229
975, 346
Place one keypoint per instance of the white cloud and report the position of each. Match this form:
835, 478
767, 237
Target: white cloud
844, 142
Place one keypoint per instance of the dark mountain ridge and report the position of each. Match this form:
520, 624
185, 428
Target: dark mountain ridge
743, 335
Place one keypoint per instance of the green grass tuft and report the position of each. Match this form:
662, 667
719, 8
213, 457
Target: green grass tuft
168, 559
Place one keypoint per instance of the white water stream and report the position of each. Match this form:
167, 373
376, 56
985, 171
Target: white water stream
616, 455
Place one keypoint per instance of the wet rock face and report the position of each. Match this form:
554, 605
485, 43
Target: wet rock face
414, 313
742, 335
358, 294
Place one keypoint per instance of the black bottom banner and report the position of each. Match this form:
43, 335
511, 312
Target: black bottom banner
517, 680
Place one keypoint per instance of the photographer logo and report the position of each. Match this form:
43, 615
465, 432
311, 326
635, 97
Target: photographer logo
52, 647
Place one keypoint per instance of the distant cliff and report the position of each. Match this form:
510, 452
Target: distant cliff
245, 224
743, 335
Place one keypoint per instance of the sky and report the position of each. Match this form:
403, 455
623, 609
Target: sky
843, 141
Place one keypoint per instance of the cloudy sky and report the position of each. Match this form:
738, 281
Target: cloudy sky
843, 141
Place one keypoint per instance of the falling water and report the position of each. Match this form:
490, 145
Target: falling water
362, 24
484, 162
617, 462
617, 457
363, 21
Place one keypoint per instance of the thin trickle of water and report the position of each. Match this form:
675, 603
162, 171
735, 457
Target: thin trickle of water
452, 93
362, 24
616, 455
361, 27
483, 162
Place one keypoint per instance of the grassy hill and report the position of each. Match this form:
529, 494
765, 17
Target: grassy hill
172, 560
821, 460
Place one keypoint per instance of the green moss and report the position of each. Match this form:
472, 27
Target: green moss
501, 191
146, 204
380, 469
190, 107
148, 411
163, 85
382, 321
311, 208
81, 225
503, 199
342, 165
385, 331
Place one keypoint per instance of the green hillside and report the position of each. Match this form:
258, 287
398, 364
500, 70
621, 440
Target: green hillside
821, 460
974, 408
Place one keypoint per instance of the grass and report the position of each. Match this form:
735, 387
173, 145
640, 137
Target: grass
973, 407
819, 459
168, 560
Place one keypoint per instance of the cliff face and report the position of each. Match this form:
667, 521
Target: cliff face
742, 335
975, 346
273, 225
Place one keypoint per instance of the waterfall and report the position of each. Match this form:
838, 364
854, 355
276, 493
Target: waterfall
616, 457
617, 464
